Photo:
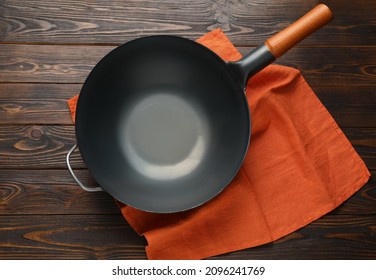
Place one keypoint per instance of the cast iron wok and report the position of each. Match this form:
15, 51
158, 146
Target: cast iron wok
162, 122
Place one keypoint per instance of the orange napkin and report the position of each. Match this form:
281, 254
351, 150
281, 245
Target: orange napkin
299, 166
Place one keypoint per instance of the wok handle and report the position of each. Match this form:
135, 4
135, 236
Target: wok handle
300, 29
279, 44
92, 189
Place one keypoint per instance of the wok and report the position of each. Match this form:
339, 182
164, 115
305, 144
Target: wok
162, 122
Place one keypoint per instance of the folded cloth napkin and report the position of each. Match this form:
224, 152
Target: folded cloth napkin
299, 166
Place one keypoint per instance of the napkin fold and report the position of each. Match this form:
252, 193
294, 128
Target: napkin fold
299, 166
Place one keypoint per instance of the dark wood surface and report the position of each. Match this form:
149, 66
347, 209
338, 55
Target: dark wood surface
47, 48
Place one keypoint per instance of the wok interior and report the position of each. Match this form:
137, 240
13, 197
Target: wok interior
161, 124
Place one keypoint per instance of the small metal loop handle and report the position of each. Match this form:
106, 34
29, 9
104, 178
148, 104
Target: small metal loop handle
92, 189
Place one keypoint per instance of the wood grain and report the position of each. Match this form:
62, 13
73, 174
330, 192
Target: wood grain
246, 22
48, 63
324, 66
37, 147
331, 237
109, 237
23, 103
53, 192
45, 146
350, 105
69, 237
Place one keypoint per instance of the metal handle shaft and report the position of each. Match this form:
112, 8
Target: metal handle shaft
88, 189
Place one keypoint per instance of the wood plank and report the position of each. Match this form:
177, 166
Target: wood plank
69, 237
350, 105
246, 22
36, 192
331, 237
32, 192
37, 147
36, 103
23, 103
109, 237
46, 146
324, 66
50, 63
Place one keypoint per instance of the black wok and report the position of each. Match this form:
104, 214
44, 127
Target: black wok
163, 123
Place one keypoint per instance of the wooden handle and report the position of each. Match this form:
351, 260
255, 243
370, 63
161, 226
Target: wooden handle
296, 32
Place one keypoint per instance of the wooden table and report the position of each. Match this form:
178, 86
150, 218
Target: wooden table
47, 48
